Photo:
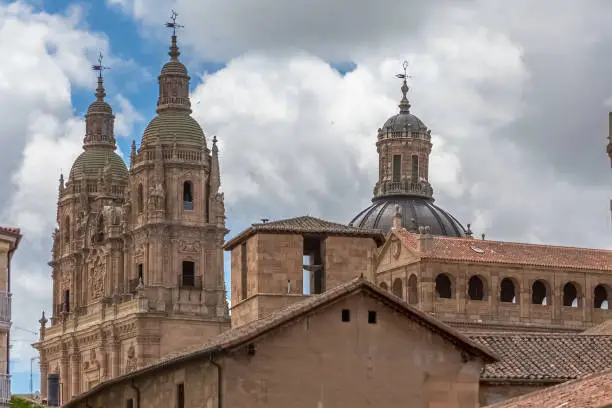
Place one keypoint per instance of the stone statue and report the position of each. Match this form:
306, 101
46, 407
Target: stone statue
157, 197
132, 361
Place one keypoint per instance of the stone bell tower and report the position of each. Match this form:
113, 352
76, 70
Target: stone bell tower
177, 208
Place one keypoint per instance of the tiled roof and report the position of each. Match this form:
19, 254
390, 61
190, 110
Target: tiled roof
545, 357
485, 251
301, 225
592, 391
603, 328
243, 334
10, 230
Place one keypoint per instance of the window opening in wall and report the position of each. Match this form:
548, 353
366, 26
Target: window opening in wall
129, 403
140, 199
100, 229
306, 274
600, 297
383, 286
314, 247
444, 287
397, 168
67, 301
372, 317
67, 229
140, 273
207, 202
188, 274
187, 195
507, 291
570, 295
398, 288
243, 271
180, 395
413, 293
414, 174
538, 293
346, 315
475, 288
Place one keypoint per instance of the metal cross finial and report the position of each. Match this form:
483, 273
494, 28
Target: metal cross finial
405, 74
99, 67
173, 24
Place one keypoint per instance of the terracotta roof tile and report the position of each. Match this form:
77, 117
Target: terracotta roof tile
486, 251
243, 334
592, 391
10, 230
545, 357
301, 225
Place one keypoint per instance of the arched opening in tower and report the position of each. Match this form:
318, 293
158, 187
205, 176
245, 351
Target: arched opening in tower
187, 195
570, 295
507, 291
67, 229
188, 274
538, 293
444, 287
476, 288
140, 199
413, 297
398, 288
600, 297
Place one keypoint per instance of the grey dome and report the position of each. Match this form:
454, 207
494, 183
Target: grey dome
402, 120
420, 209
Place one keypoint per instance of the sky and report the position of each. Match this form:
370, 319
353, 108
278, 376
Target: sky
516, 95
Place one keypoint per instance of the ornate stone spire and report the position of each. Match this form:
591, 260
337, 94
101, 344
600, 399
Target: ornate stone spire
99, 120
215, 176
173, 79
404, 103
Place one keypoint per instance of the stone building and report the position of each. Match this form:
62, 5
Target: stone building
9, 242
137, 260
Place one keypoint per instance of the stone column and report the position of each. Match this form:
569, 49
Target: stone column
115, 368
65, 379
76, 375
44, 371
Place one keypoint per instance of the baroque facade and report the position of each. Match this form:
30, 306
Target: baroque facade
137, 256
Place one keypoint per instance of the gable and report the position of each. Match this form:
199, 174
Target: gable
395, 253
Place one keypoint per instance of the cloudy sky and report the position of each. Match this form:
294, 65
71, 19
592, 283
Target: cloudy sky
516, 94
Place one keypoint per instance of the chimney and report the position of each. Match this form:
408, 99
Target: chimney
425, 240
397, 219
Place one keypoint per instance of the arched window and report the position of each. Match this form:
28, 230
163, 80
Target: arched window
507, 291
570, 295
67, 301
384, 286
140, 199
601, 297
476, 288
67, 229
444, 287
413, 291
188, 274
398, 288
538, 293
100, 229
187, 195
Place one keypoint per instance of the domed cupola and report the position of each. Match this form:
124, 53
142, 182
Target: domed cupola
99, 157
404, 146
173, 123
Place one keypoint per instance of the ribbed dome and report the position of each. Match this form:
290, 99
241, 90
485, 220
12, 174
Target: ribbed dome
400, 121
169, 125
380, 216
92, 161
100, 107
174, 67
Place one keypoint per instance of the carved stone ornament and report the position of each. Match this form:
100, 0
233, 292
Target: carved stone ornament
97, 273
131, 363
396, 249
189, 246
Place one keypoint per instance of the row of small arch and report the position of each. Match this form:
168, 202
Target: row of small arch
508, 289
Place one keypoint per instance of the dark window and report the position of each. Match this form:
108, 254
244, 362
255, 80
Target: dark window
140, 273
129, 403
444, 287
180, 395
187, 195
188, 276
398, 288
475, 288
413, 290
415, 169
397, 168
346, 315
100, 230
67, 301
140, 199
507, 291
243, 271
67, 230
538, 293
570, 295
601, 297
372, 317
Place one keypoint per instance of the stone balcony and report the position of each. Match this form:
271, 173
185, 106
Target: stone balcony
5, 390
5, 310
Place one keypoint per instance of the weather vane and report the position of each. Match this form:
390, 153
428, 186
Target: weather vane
405, 74
173, 25
99, 67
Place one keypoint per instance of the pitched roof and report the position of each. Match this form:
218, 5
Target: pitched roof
486, 251
603, 328
250, 331
545, 357
592, 391
10, 230
304, 225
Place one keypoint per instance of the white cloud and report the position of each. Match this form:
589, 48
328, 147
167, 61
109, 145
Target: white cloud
126, 116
